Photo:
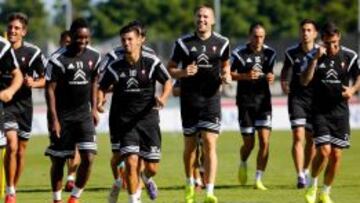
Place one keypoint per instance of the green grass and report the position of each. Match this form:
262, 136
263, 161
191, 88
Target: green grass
280, 177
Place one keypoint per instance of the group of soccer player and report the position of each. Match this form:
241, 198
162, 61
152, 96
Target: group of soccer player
76, 81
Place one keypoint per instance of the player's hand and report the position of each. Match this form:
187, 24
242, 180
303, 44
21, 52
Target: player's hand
285, 87
253, 75
160, 102
226, 78
56, 128
95, 116
28, 81
347, 92
320, 52
191, 69
270, 77
6, 95
101, 100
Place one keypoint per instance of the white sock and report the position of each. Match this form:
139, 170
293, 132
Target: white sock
76, 192
301, 174
258, 175
118, 182
138, 192
210, 188
243, 163
326, 189
133, 198
57, 195
10, 190
70, 178
306, 172
314, 182
198, 181
145, 178
190, 181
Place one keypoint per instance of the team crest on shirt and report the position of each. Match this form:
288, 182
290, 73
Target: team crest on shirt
143, 72
343, 64
90, 63
214, 48
23, 59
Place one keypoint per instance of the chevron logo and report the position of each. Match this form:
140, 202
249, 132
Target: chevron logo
80, 74
332, 73
132, 82
203, 58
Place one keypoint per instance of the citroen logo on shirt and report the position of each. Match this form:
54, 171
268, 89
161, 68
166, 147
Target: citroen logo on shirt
80, 74
132, 83
332, 73
203, 61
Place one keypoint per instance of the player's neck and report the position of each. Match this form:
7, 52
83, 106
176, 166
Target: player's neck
16, 45
255, 48
203, 35
307, 46
133, 57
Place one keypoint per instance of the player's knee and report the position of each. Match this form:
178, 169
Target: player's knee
87, 159
132, 162
324, 151
248, 147
151, 169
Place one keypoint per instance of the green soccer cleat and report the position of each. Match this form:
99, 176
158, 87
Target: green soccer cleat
210, 199
325, 198
310, 195
260, 186
189, 194
242, 174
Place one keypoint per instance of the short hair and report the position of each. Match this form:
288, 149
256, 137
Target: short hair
78, 24
208, 6
22, 17
256, 25
140, 26
65, 33
309, 21
330, 29
130, 27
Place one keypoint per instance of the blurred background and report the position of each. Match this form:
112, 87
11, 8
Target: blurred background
167, 20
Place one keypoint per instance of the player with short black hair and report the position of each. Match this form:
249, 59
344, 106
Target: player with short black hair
204, 56
65, 38
72, 73
300, 100
252, 66
134, 117
19, 111
330, 68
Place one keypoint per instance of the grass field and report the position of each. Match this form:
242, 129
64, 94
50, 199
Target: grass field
34, 186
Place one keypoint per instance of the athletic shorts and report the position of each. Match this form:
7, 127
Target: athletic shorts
197, 118
254, 117
299, 113
20, 121
80, 133
143, 137
2, 133
334, 131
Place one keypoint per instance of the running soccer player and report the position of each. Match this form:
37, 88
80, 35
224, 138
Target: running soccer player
71, 73
252, 66
330, 69
204, 56
116, 162
19, 111
300, 101
72, 162
134, 116
9, 65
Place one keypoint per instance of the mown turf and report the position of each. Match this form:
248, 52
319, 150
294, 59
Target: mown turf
280, 177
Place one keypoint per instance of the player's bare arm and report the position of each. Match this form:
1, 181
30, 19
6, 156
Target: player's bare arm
178, 73
51, 102
308, 74
7, 94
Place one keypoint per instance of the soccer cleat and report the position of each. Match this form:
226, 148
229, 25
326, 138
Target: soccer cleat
301, 182
210, 199
10, 198
310, 195
113, 194
325, 198
242, 174
69, 185
259, 185
73, 199
189, 194
307, 180
151, 189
